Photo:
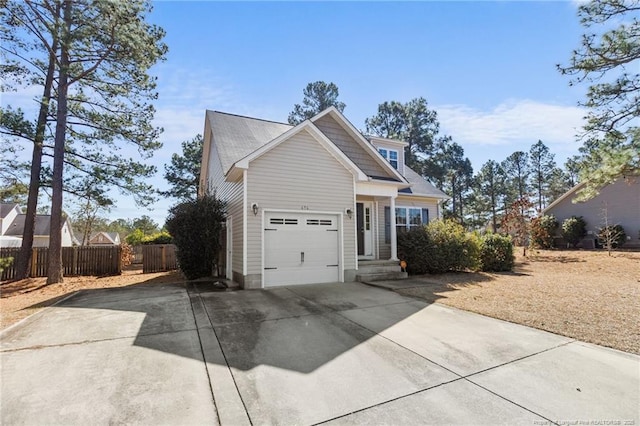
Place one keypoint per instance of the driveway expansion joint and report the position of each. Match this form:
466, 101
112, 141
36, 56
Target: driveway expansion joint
204, 357
90, 341
518, 359
226, 360
389, 401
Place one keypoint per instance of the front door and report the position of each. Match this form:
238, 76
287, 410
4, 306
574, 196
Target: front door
364, 223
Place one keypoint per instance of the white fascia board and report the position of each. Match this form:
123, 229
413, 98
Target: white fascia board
430, 196
436, 197
376, 189
348, 127
388, 141
307, 125
569, 193
206, 150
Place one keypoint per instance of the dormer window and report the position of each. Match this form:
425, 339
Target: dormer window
391, 155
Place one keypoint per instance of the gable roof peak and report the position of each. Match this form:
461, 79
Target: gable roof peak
247, 117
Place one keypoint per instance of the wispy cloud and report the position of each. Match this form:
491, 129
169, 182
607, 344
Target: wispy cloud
513, 122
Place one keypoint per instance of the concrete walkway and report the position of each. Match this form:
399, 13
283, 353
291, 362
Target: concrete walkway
329, 353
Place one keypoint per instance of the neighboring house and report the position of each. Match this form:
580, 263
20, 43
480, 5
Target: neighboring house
104, 239
13, 232
621, 200
8, 213
309, 203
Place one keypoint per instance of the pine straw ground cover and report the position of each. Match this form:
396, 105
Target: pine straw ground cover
20, 299
585, 295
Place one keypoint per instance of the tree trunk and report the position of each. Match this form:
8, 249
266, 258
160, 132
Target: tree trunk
55, 271
493, 211
23, 265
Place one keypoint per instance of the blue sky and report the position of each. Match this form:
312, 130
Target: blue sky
487, 68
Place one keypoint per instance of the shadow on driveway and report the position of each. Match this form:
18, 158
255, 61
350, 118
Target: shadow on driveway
342, 352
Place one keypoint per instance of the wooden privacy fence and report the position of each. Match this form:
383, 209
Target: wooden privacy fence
159, 258
84, 260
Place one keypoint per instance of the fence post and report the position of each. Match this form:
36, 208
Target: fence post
74, 262
164, 257
34, 262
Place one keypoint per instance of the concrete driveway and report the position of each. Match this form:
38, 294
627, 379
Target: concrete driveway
331, 353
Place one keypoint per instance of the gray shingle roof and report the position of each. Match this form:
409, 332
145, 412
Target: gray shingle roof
236, 137
420, 186
43, 225
5, 209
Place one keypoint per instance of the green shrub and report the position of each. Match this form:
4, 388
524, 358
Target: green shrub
5, 262
196, 226
574, 229
496, 253
542, 231
613, 235
162, 237
135, 238
414, 247
439, 247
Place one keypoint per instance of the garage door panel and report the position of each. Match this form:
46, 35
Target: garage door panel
300, 249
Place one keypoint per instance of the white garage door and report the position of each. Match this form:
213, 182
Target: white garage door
300, 248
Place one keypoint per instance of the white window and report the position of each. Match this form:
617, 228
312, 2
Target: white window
391, 155
408, 217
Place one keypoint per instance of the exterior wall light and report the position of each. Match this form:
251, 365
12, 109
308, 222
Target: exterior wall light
349, 212
254, 208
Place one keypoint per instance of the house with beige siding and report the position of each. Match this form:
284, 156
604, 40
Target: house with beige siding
619, 200
317, 202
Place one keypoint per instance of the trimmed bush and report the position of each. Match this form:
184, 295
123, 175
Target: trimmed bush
496, 253
162, 237
439, 247
543, 229
413, 248
574, 229
196, 226
612, 235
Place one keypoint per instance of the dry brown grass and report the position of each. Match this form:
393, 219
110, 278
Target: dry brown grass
20, 299
585, 295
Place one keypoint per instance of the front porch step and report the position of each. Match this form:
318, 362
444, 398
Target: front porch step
375, 266
373, 269
381, 276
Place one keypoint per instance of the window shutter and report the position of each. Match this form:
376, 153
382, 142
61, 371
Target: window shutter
425, 216
387, 225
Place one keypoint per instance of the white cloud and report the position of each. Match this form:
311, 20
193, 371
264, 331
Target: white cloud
512, 123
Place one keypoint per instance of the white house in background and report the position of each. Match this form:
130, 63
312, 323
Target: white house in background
104, 239
13, 229
8, 213
310, 203
621, 199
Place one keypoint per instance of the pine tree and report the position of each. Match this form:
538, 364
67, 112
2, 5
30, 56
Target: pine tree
101, 53
608, 60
